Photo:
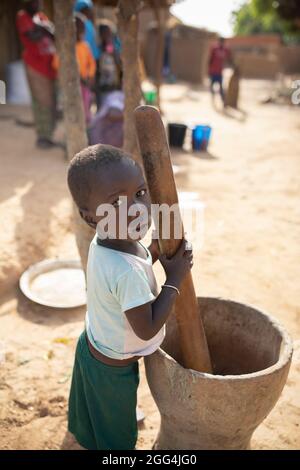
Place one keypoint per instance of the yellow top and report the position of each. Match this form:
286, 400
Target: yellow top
85, 60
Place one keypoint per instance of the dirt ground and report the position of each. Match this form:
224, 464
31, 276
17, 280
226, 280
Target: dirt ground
249, 182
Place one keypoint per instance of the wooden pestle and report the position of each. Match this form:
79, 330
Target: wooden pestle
159, 174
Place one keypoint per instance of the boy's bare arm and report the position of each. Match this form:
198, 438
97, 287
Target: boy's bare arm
146, 320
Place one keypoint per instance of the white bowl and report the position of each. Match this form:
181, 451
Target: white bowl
55, 283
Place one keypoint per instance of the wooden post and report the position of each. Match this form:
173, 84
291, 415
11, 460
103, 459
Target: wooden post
233, 88
128, 29
75, 127
158, 169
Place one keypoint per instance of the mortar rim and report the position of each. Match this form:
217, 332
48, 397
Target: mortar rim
284, 359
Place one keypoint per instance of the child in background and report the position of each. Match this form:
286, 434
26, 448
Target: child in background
86, 64
125, 313
106, 127
109, 64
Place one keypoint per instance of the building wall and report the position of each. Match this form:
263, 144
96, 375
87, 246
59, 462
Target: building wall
188, 53
189, 60
255, 42
290, 59
258, 66
264, 56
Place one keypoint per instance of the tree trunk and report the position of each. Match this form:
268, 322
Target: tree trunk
159, 16
75, 128
128, 29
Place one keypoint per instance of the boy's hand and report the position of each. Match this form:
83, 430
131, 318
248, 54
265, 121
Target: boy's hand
179, 265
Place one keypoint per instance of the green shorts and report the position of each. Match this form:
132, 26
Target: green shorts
102, 402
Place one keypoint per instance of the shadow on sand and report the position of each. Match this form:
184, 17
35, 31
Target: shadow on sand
232, 113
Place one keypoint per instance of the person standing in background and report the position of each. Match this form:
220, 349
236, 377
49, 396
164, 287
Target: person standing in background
85, 7
37, 37
219, 56
86, 66
109, 74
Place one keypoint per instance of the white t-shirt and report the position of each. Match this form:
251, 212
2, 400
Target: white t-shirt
117, 282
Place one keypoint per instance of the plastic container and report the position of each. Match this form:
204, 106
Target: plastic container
200, 137
176, 134
17, 86
150, 97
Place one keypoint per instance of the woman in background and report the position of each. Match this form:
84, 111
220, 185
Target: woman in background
37, 37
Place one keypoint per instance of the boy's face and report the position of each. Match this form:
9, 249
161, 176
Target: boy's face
122, 186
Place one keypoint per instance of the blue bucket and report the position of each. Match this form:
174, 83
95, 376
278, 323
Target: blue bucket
200, 137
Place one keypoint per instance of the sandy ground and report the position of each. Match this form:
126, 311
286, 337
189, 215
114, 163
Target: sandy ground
249, 182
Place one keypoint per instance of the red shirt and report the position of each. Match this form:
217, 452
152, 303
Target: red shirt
36, 54
218, 57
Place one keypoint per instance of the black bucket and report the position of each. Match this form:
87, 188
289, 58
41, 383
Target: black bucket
176, 134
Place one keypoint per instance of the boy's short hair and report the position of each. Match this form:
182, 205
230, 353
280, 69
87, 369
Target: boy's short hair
84, 166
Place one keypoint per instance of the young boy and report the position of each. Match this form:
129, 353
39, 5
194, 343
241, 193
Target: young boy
125, 314
218, 57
